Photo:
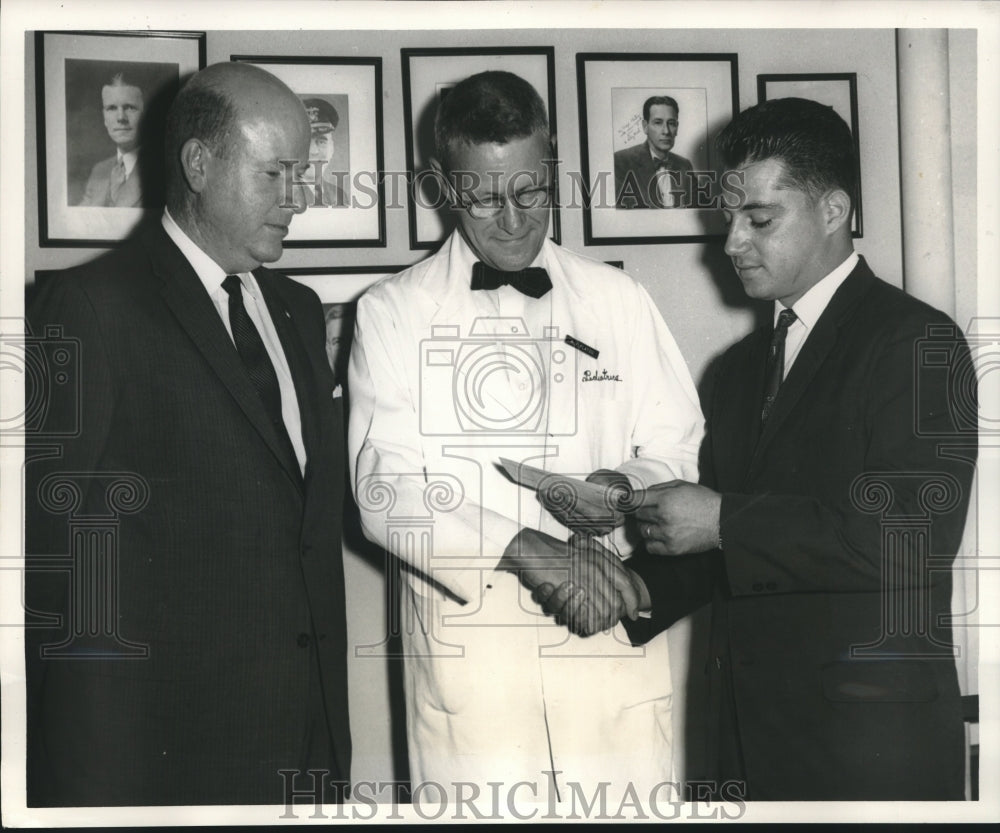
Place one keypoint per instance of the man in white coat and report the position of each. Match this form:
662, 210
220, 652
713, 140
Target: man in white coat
504, 344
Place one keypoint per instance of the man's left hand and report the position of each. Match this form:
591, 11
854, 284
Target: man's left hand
677, 518
579, 513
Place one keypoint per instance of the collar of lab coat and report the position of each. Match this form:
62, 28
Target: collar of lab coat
447, 285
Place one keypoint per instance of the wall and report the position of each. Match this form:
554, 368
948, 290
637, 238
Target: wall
692, 284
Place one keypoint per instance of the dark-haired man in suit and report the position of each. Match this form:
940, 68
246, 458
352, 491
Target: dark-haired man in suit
651, 175
205, 387
829, 511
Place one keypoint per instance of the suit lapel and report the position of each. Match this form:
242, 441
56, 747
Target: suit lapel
813, 354
735, 418
185, 295
298, 362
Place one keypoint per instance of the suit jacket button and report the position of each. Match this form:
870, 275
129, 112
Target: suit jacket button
757, 587
303, 640
772, 585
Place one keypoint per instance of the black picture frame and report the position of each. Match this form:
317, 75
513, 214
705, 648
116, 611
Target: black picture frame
611, 89
339, 284
352, 87
837, 89
74, 145
425, 73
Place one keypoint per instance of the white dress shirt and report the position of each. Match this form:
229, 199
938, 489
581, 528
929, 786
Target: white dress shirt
128, 160
212, 276
810, 307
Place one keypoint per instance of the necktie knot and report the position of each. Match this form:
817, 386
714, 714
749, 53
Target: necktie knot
533, 281
233, 285
786, 318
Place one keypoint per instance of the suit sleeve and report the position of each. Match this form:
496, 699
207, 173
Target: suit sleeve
74, 418
389, 474
797, 543
628, 189
68, 426
621, 171
95, 192
677, 586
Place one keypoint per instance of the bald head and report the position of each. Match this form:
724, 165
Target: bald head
230, 131
213, 107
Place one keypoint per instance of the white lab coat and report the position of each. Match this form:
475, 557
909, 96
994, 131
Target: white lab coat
443, 381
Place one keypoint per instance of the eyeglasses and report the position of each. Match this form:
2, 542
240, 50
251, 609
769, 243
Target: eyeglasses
484, 209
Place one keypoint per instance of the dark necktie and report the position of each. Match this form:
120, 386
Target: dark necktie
533, 281
258, 364
775, 367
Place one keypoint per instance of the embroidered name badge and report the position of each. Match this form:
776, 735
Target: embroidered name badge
603, 376
583, 348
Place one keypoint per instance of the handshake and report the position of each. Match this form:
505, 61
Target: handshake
583, 584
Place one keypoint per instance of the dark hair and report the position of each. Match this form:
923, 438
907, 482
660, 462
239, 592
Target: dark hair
810, 139
200, 111
666, 100
489, 107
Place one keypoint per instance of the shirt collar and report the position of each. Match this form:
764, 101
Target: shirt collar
652, 153
128, 159
464, 258
208, 271
810, 306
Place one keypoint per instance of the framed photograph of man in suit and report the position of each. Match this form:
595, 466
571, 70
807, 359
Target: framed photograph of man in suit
343, 187
101, 104
647, 122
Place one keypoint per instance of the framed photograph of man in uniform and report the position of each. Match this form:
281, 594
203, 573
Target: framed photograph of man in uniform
647, 123
839, 90
342, 186
428, 75
101, 105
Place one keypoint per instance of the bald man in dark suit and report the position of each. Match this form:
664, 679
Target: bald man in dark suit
218, 670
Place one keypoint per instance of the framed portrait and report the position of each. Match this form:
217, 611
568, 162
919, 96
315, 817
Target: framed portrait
342, 187
339, 288
839, 90
101, 105
647, 128
428, 75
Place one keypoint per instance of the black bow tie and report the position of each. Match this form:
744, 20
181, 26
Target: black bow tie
533, 281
